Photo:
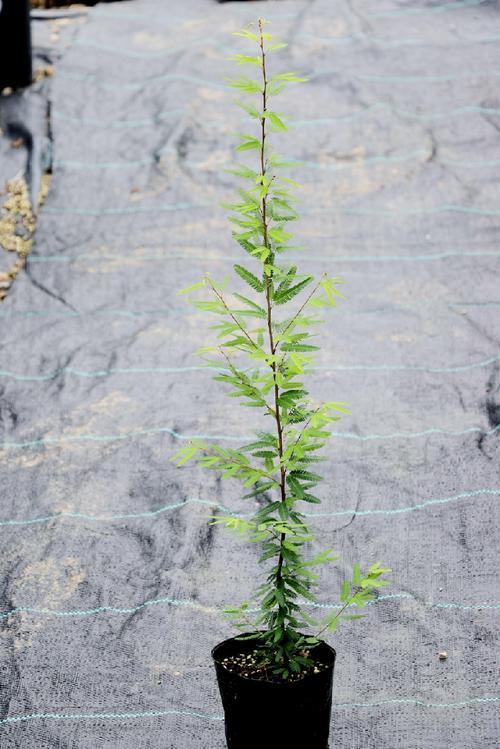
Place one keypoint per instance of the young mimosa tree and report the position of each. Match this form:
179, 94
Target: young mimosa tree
272, 327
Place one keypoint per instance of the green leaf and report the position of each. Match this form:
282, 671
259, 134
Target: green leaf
289, 293
240, 170
306, 475
260, 489
278, 163
311, 499
244, 84
352, 617
273, 89
244, 243
276, 121
249, 277
252, 112
298, 346
288, 397
262, 252
248, 143
259, 312
193, 287
356, 575
279, 235
283, 512
246, 59
247, 35
185, 454
280, 210
289, 78
267, 510
295, 487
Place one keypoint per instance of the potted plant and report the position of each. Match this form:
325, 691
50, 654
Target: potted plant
275, 677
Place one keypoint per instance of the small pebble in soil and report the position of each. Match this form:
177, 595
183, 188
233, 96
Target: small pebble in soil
442, 655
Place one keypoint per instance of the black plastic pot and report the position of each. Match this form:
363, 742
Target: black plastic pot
15, 43
269, 715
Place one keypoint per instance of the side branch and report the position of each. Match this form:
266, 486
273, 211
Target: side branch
303, 306
231, 313
244, 381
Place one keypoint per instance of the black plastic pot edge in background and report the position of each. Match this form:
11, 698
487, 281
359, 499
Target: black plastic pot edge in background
16, 68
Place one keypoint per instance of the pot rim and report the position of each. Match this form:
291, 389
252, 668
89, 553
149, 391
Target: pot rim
231, 640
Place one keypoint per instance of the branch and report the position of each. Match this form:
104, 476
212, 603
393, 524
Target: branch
302, 432
344, 607
308, 299
244, 382
230, 312
233, 460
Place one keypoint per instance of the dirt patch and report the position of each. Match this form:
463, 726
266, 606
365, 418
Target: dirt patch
17, 227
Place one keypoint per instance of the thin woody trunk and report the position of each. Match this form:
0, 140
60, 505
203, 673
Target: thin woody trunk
279, 426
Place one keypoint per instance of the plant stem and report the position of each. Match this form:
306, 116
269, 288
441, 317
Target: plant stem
268, 281
344, 607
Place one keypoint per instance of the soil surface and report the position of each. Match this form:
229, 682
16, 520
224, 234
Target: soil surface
250, 666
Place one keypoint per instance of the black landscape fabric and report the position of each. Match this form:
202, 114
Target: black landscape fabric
112, 580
